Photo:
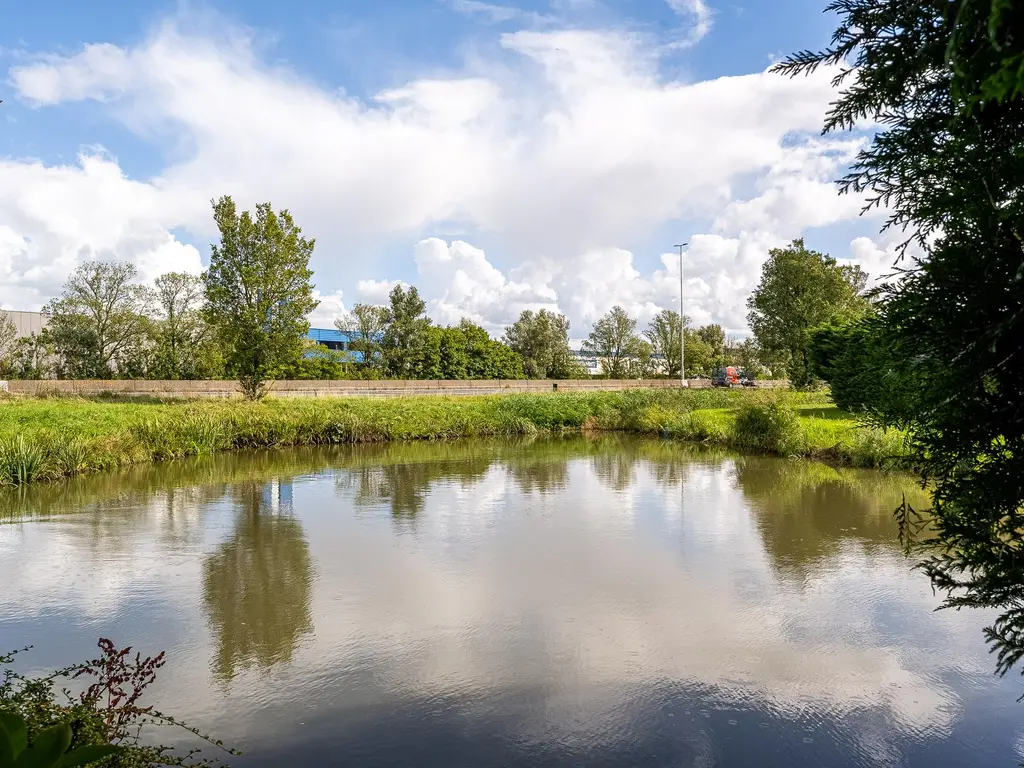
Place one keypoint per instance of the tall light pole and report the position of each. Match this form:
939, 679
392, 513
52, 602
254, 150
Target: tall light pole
682, 325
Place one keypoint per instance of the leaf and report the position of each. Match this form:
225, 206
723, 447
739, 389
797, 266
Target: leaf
14, 733
86, 755
6, 751
47, 749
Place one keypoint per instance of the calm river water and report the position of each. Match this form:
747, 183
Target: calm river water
580, 602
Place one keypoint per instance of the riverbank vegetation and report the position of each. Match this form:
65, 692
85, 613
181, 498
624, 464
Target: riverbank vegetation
50, 438
89, 714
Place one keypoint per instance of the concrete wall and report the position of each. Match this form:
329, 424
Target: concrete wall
339, 388
26, 323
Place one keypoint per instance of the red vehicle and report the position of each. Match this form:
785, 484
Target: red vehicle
731, 376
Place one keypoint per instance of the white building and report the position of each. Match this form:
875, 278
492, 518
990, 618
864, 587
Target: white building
26, 323
596, 366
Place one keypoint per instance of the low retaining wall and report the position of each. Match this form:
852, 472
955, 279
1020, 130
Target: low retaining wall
346, 388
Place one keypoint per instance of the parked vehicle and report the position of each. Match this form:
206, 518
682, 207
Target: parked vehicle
725, 377
731, 376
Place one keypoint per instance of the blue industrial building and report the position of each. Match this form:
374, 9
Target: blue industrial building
337, 341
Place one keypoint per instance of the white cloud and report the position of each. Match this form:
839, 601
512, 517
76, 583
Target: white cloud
700, 15
376, 291
562, 154
492, 12
331, 308
53, 218
457, 280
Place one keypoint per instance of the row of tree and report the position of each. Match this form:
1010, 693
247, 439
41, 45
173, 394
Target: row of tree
245, 318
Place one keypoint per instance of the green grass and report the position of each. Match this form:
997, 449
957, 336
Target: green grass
50, 438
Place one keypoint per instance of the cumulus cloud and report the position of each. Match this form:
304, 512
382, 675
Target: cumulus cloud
53, 218
330, 308
562, 148
457, 280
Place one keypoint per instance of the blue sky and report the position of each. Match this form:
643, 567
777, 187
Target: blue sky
500, 156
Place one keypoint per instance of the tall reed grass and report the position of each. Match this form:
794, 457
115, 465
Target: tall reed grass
46, 439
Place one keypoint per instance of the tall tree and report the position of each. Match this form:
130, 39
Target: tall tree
184, 347
801, 289
663, 334
30, 357
98, 324
943, 80
366, 323
748, 355
487, 358
700, 356
541, 339
714, 337
258, 291
405, 339
614, 342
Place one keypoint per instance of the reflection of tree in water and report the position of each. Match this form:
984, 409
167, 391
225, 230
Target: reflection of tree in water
543, 475
805, 510
257, 585
616, 470
405, 486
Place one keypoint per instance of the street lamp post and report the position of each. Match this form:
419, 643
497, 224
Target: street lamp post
682, 325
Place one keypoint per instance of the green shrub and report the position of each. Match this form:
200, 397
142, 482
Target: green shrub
705, 427
874, 447
69, 455
771, 427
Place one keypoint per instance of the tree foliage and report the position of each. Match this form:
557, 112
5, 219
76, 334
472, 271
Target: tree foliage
98, 327
183, 343
700, 355
8, 333
366, 324
405, 341
29, 357
485, 357
944, 81
258, 291
799, 290
865, 375
541, 339
714, 337
663, 335
614, 342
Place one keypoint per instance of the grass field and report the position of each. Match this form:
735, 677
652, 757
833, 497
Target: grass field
50, 438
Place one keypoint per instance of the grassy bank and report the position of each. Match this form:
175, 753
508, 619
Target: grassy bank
50, 438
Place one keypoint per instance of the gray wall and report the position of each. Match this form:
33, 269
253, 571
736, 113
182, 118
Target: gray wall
385, 388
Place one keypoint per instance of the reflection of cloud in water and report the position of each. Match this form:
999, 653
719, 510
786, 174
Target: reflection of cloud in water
99, 558
559, 601
596, 591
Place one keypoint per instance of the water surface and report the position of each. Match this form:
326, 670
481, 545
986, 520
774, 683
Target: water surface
592, 602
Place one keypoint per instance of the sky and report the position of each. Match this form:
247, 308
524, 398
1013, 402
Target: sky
500, 157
